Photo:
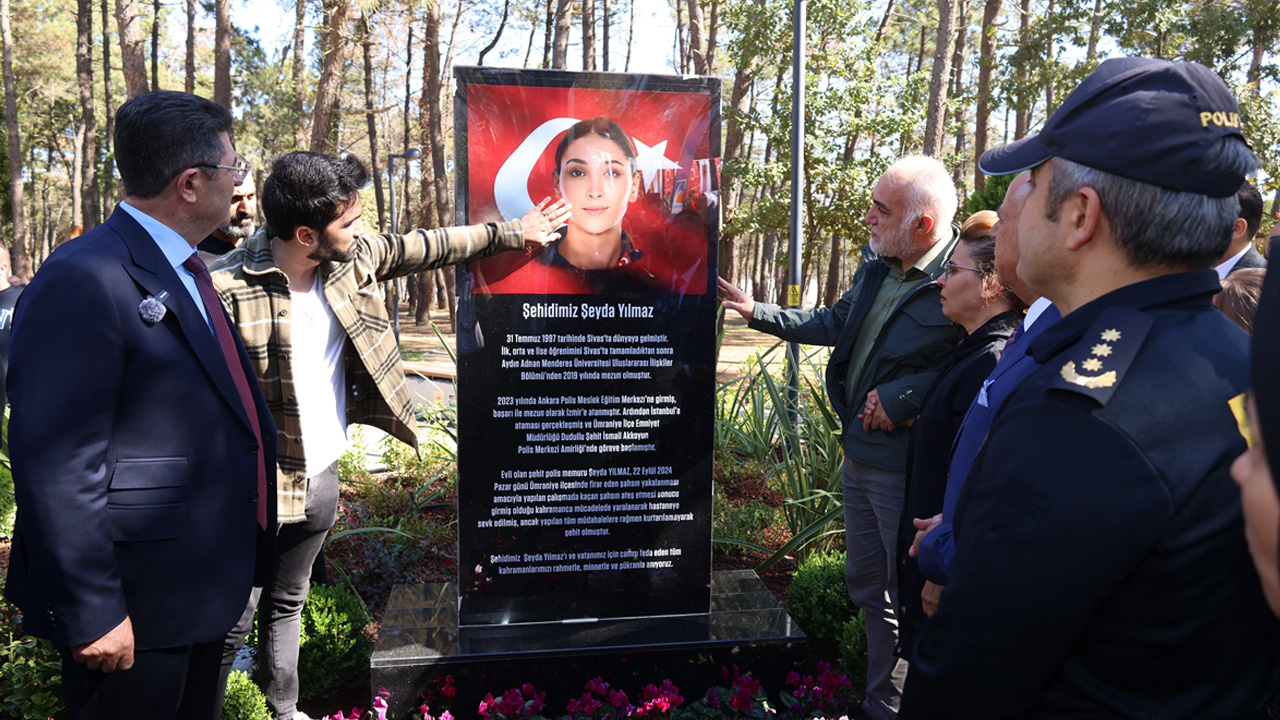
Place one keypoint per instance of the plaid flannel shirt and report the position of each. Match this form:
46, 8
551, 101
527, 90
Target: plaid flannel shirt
256, 294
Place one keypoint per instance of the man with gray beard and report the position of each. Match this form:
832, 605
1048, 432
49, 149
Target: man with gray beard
240, 223
890, 339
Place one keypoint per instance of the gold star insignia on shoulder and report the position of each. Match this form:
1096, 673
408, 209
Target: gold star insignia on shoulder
1111, 335
1102, 349
1092, 364
1104, 380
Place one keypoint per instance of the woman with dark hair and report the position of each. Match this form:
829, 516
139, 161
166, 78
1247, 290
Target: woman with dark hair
596, 173
1257, 471
973, 298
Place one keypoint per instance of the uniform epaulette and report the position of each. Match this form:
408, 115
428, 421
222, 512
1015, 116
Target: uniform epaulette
1096, 365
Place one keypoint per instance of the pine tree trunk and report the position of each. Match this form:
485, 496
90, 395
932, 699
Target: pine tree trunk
506, 8
91, 213
132, 58
631, 34
20, 260
155, 44
1022, 118
682, 47
944, 47
296, 74
546, 46
713, 29
957, 86
588, 34
371, 122
190, 83
986, 65
697, 46
606, 22
435, 123
560, 41
222, 53
108, 110
1095, 30
324, 121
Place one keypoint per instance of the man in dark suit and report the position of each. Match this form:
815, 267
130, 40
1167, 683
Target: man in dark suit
136, 433
1241, 253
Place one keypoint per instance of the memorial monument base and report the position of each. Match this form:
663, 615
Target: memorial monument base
421, 646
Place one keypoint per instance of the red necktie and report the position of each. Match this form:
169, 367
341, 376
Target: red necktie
227, 342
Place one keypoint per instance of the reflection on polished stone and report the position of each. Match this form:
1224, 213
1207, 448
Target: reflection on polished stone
421, 638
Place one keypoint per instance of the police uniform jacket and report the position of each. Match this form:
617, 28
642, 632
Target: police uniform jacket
1101, 567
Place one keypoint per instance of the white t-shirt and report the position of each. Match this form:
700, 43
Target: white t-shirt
318, 377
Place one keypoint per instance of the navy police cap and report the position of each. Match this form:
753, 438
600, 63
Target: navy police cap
1142, 119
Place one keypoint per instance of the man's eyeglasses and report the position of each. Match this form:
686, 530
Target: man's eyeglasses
239, 171
952, 267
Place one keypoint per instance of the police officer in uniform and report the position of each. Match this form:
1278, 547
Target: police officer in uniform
1101, 568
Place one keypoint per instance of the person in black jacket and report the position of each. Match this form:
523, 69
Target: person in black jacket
973, 298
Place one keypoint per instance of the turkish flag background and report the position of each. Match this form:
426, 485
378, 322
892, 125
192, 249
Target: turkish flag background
500, 117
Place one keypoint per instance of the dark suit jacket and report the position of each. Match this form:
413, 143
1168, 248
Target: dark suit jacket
134, 464
1250, 259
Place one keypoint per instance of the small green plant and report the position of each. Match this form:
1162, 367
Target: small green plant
244, 700
8, 503
336, 640
737, 529
353, 465
818, 600
853, 645
31, 670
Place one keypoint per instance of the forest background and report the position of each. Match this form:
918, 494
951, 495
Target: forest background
948, 78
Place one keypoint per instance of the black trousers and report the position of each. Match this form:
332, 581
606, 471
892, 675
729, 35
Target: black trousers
179, 683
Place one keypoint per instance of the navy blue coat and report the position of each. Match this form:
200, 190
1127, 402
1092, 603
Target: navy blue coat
134, 464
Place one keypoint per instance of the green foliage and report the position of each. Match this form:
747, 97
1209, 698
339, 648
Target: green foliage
8, 503
336, 640
244, 700
810, 470
990, 197
853, 645
32, 671
352, 464
818, 599
744, 525
804, 453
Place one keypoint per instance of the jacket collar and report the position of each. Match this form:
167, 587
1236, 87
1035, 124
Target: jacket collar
1193, 289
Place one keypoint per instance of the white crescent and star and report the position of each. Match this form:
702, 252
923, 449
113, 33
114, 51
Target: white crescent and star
511, 183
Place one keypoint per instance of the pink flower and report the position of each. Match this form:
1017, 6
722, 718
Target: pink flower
485, 705
597, 686
793, 678
446, 715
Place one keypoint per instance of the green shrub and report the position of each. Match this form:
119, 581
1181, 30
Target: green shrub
817, 597
744, 524
244, 700
853, 646
818, 600
336, 640
991, 196
31, 670
7, 501
352, 464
